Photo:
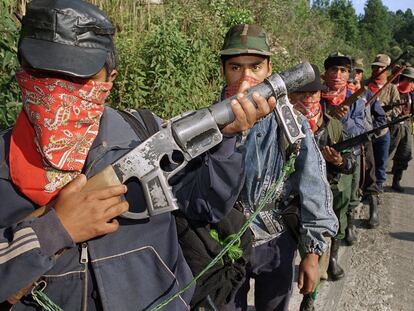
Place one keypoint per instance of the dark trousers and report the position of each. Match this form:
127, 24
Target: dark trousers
370, 183
272, 267
401, 142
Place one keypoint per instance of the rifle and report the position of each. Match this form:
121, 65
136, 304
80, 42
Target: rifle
189, 135
390, 107
377, 93
364, 137
358, 94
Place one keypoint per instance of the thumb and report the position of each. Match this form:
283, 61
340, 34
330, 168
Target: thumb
244, 87
301, 278
75, 185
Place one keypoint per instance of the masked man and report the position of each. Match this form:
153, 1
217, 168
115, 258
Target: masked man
389, 96
327, 131
401, 141
337, 69
354, 84
245, 62
64, 131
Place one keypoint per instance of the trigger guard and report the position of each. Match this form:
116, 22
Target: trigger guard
131, 215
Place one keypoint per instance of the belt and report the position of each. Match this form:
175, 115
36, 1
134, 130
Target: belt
273, 223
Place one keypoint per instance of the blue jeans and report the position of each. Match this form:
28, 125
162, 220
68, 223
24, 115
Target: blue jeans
381, 147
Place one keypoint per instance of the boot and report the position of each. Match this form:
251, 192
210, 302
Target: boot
396, 181
334, 270
350, 231
373, 221
307, 303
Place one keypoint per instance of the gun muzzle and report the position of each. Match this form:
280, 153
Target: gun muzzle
276, 85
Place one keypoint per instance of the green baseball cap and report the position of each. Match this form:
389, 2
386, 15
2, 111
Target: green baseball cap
246, 39
358, 64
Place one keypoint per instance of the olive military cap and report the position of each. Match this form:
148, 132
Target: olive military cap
246, 39
408, 72
358, 64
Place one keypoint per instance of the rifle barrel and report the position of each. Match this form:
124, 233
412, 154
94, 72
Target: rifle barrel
362, 138
294, 78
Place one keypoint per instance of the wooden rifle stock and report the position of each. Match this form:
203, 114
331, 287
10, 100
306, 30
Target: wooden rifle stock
104, 178
377, 93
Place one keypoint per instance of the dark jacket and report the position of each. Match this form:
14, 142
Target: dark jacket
330, 132
134, 268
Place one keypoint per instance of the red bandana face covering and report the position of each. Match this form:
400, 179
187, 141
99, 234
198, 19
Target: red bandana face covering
377, 84
405, 87
53, 133
353, 87
337, 90
310, 108
234, 88
334, 98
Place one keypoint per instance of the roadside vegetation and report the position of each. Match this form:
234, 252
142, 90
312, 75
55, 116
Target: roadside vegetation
168, 53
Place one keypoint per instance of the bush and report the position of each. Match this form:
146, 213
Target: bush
9, 90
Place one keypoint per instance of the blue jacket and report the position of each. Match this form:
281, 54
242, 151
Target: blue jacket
134, 268
353, 122
263, 163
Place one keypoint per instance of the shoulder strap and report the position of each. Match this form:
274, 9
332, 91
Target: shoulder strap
144, 129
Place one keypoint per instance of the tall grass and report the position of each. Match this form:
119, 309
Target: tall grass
169, 53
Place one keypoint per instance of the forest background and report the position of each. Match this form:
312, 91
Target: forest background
168, 52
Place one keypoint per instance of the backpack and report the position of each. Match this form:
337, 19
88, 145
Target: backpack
200, 248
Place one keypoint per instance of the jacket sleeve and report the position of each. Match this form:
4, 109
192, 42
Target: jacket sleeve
317, 218
393, 98
353, 122
378, 114
209, 185
27, 250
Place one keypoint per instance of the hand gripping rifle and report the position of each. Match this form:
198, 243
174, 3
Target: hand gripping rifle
364, 137
192, 134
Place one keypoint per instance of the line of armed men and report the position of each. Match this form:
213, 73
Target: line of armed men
77, 233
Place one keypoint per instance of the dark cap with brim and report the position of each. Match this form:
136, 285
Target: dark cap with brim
337, 59
315, 85
71, 37
245, 39
65, 59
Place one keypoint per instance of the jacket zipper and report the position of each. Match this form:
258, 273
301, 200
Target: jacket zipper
84, 260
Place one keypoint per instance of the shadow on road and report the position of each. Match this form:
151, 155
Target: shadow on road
405, 236
407, 190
